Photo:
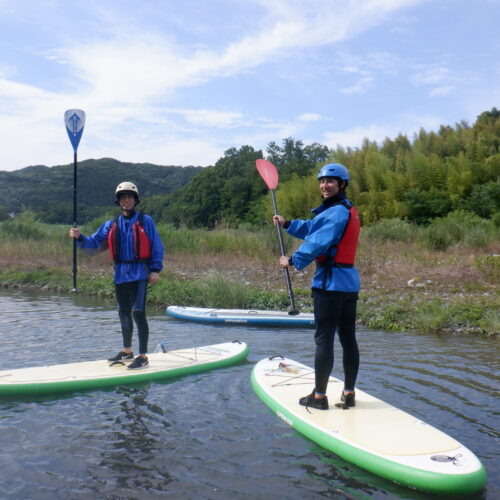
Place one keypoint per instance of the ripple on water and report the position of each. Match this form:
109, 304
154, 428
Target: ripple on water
208, 435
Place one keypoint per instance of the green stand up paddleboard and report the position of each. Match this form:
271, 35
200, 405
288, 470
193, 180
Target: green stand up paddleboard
373, 434
68, 377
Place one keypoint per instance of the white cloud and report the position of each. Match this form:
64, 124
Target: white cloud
167, 151
359, 87
7, 71
442, 90
128, 78
354, 136
309, 117
366, 69
13, 90
139, 63
407, 125
210, 118
433, 75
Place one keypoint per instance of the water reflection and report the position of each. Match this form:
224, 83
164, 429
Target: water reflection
134, 441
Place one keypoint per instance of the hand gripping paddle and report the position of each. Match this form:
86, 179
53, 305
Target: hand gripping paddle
269, 174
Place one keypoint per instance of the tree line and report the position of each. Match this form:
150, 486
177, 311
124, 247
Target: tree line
418, 179
455, 168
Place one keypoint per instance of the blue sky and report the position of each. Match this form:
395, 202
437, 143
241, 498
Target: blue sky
179, 83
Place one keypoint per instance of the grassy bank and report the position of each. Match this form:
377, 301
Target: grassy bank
442, 278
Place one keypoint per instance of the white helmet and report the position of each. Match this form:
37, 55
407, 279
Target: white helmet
126, 187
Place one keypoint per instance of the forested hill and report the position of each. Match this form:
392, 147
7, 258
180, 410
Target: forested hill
49, 191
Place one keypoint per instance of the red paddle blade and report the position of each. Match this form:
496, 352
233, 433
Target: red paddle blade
268, 172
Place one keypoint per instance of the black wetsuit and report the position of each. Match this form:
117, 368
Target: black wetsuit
335, 311
131, 300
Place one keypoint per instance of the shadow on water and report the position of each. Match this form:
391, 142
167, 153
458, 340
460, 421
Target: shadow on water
207, 435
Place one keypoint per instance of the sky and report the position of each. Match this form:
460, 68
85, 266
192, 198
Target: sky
180, 83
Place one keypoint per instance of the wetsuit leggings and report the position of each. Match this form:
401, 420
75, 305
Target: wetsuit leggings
335, 311
131, 300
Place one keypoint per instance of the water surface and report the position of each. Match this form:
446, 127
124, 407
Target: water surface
207, 436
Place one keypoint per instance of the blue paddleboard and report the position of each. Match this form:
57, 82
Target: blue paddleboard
241, 316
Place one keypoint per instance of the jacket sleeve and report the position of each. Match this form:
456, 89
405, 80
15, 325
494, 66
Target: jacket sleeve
156, 262
326, 229
94, 242
299, 228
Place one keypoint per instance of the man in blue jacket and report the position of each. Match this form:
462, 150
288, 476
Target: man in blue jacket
330, 240
137, 251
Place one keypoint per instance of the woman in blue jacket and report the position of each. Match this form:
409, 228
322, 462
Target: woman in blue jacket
330, 239
137, 251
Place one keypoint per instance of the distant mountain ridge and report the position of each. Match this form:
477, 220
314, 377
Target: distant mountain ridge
49, 190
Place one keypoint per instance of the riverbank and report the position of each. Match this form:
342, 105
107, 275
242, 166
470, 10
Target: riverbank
405, 287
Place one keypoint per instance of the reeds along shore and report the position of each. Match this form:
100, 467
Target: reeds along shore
441, 278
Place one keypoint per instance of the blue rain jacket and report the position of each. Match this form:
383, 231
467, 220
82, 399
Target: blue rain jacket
128, 271
320, 234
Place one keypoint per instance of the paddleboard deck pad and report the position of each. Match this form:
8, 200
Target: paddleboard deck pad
241, 316
373, 434
67, 377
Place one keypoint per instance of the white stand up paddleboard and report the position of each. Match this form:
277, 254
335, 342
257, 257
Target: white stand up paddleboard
373, 434
96, 374
241, 316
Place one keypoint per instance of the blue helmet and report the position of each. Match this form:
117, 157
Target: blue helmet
334, 170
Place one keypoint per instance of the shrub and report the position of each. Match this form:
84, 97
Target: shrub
496, 219
458, 227
26, 226
484, 199
390, 230
224, 293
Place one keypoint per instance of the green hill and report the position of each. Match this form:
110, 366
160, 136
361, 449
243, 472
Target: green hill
48, 191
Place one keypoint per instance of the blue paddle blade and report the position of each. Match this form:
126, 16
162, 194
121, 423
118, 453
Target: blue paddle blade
75, 121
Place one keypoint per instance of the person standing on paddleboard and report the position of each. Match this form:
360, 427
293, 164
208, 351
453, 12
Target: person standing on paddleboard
137, 252
330, 240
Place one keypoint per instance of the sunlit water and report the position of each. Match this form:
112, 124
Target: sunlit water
207, 436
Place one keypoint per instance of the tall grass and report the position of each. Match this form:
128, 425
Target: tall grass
26, 227
457, 228
25, 239
215, 291
489, 265
256, 244
391, 230
53, 239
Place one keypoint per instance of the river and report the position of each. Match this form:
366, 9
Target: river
207, 436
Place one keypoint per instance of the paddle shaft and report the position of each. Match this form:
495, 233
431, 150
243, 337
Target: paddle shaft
293, 310
74, 219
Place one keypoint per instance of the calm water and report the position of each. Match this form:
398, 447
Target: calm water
208, 436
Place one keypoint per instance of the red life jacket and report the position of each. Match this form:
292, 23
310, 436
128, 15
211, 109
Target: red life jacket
141, 243
346, 247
